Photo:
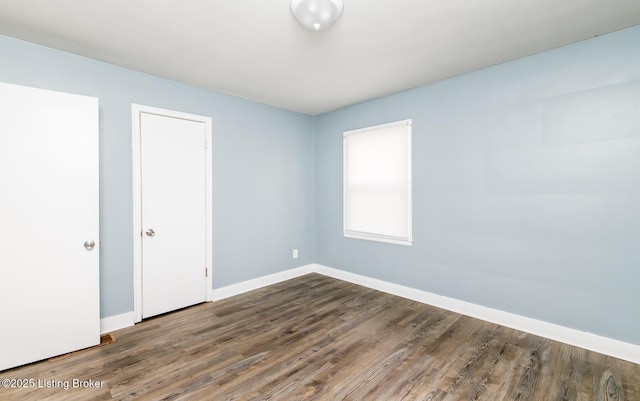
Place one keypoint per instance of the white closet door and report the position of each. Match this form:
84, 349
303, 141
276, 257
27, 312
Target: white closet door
173, 213
49, 274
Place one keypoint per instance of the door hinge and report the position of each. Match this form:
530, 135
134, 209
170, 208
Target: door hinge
206, 272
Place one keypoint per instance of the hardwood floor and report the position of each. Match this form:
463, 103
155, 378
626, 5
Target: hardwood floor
317, 338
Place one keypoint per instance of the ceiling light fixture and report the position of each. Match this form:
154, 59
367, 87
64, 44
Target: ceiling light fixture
316, 15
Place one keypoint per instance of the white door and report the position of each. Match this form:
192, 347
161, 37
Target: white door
173, 218
49, 279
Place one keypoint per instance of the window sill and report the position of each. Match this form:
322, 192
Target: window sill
377, 238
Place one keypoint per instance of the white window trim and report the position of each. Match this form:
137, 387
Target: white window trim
370, 236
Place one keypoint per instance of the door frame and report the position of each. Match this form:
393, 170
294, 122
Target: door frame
136, 111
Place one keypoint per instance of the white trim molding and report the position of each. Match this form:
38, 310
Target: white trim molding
136, 111
582, 339
590, 341
250, 285
125, 320
117, 322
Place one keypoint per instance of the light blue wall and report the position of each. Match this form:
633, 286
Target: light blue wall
526, 187
262, 167
526, 181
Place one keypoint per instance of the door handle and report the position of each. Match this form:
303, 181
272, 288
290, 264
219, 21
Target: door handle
89, 245
150, 232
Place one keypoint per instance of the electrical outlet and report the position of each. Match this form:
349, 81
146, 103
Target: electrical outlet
295, 254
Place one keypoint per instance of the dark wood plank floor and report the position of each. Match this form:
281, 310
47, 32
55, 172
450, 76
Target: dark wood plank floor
317, 338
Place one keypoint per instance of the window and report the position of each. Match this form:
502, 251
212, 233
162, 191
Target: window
377, 183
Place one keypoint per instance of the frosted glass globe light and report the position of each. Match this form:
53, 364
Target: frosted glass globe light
316, 15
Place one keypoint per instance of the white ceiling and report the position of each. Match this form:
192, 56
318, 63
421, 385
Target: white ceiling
256, 50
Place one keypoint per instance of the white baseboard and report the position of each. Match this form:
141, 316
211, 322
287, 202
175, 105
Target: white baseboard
250, 285
116, 322
590, 341
593, 342
124, 320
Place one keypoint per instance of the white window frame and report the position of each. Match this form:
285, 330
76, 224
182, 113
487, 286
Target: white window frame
404, 240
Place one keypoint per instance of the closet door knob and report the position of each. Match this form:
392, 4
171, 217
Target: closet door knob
150, 232
89, 245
